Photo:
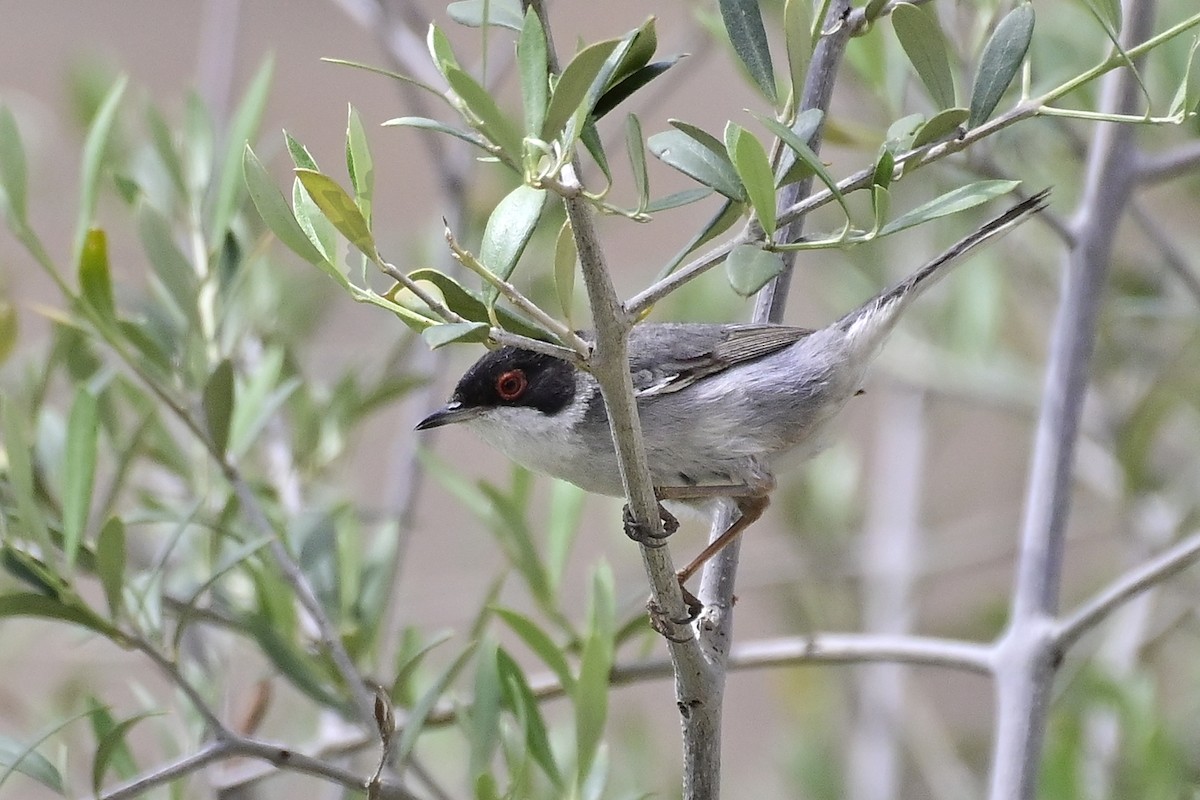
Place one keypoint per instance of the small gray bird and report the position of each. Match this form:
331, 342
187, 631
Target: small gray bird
719, 405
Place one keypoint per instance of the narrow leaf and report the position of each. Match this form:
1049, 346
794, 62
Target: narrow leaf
805, 154
242, 127
171, 266
1001, 58
359, 164
164, 146
466, 304
420, 710
744, 24
339, 209
440, 127
797, 28
698, 161
110, 562
635, 146
627, 86
79, 472
951, 202
508, 230
439, 335
535, 76
544, 647
477, 13
111, 745
488, 119
677, 199
941, 125
299, 153
16, 757
749, 268
28, 604
273, 209
12, 165
595, 664
95, 282
573, 85
885, 166
94, 147
565, 258
19, 452
754, 169
925, 46
218, 404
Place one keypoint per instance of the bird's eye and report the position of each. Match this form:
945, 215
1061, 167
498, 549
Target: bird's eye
511, 385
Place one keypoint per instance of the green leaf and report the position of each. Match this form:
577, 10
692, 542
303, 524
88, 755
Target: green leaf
677, 199
749, 268
94, 147
881, 204
95, 283
635, 146
420, 710
486, 115
465, 304
797, 28
754, 169
164, 146
12, 165
339, 209
1109, 14
925, 46
721, 221
562, 526
791, 169
508, 230
171, 266
951, 202
440, 50
110, 562
113, 746
544, 647
218, 404
16, 757
520, 698
574, 84
299, 667
805, 154
622, 90
1001, 58
744, 23
484, 730
885, 167
28, 604
79, 471
534, 70
359, 165
242, 126
595, 665
451, 332
698, 160
18, 450
9, 329
477, 13
273, 209
565, 259
940, 125
440, 127
299, 153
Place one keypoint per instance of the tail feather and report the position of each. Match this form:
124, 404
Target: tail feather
874, 319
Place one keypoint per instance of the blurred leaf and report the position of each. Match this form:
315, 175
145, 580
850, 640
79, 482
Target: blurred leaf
925, 46
1185, 97
951, 202
750, 268
885, 167
1001, 58
488, 119
198, 143
519, 696
901, 132
797, 31
9, 329
80, 471
484, 731
940, 125
299, 667
565, 259
95, 283
534, 70
574, 84
218, 405
545, 648
12, 165
455, 332
698, 159
19, 453
440, 50
508, 230
164, 146
628, 85
474, 13
170, 264
359, 165
881, 204
420, 711
110, 562
1109, 14
677, 199
508, 523
242, 127
94, 147
273, 209
407, 663
27, 604
729, 213
112, 747
595, 664
263, 394
16, 757
562, 526
433, 125
339, 209
743, 22
754, 169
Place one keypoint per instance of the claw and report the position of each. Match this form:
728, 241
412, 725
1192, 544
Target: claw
663, 625
643, 533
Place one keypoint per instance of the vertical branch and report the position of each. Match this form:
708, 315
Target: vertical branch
702, 727
1027, 654
888, 552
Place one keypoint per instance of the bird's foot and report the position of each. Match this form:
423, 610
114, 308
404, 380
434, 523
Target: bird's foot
667, 627
644, 534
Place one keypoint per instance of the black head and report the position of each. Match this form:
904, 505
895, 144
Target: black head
508, 377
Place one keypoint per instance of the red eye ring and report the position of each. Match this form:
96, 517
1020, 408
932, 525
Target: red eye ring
511, 385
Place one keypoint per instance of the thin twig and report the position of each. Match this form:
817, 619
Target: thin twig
1169, 165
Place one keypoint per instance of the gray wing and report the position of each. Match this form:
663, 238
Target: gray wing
667, 357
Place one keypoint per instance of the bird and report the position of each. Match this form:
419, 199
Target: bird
720, 405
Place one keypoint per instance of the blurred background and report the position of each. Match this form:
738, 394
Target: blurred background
907, 522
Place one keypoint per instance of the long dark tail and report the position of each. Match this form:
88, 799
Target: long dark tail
871, 322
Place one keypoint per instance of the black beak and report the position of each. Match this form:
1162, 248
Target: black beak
449, 414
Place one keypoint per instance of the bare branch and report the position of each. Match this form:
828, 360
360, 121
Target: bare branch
1169, 165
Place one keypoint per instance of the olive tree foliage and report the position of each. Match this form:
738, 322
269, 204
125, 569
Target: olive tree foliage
169, 480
